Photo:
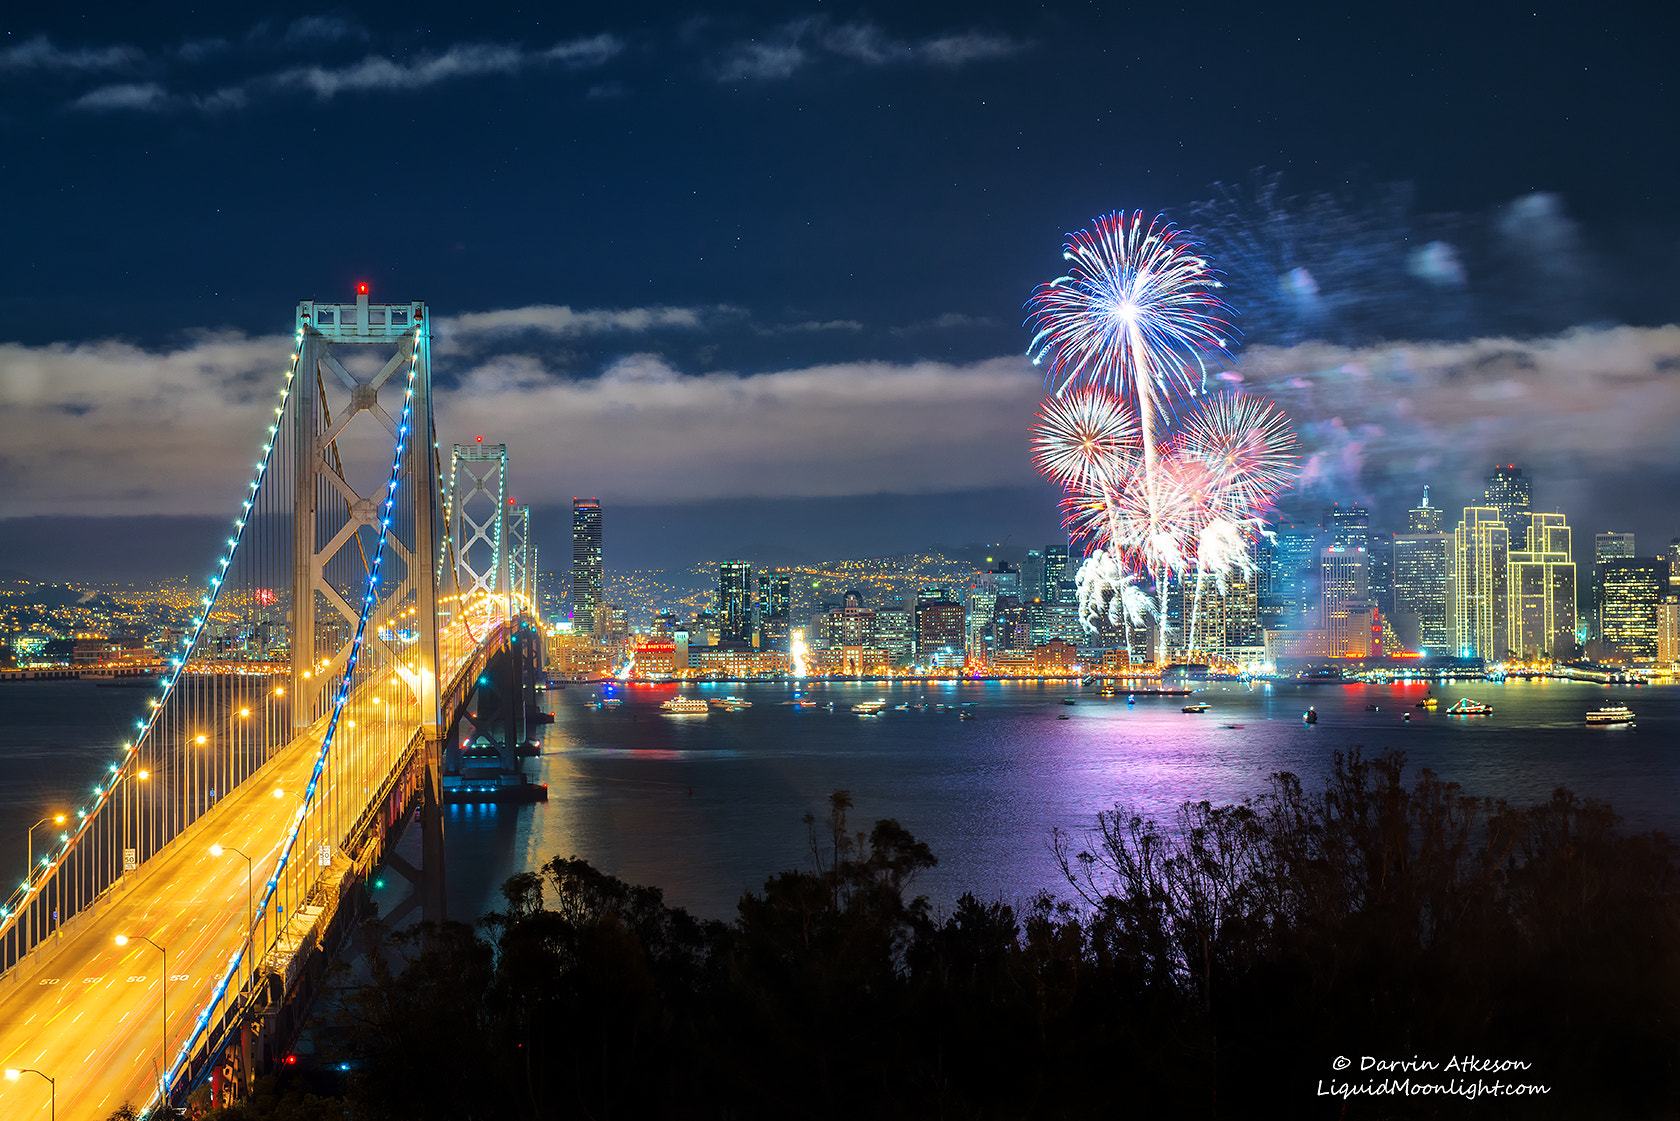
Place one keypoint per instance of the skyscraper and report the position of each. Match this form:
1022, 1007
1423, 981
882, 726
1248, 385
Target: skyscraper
1509, 493
1630, 590
586, 565
735, 601
1293, 577
1542, 591
1606, 547
1349, 527
775, 609
1055, 571
1419, 615
1480, 581
1424, 518
1346, 611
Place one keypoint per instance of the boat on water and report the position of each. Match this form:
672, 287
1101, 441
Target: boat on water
1310, 716
1063, 716
869, 708
1106, 691
1230, 725
1611, 714
965, 715
1469, 706
1370, 708
1200, 707
1428, 703
1069, 701
685, 706
731, 704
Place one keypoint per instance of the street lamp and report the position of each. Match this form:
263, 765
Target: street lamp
56, 819
12, 1075
250, 907
163, 992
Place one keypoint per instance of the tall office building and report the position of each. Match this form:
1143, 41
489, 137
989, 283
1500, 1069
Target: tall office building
1542, 591
1424, 518
1509, 493
586, 566
1606, 547
1421, 565
1227, 622
735, 601
1293, 577
1345, 579
1380, 552
939, 623
1055, 571
775, 610
1032, 575
1348, 527
1630, 591
1480, 576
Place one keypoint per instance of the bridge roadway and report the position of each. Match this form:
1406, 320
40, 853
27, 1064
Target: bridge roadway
88, 1012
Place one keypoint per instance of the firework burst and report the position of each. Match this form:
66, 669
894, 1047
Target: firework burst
1248, 445
1137, 307
1088, 434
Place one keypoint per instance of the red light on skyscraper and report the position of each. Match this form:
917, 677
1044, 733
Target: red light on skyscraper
361, 289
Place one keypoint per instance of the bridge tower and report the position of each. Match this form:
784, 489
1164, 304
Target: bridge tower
348, 356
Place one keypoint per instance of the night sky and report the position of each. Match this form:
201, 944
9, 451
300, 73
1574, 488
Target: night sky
753, 275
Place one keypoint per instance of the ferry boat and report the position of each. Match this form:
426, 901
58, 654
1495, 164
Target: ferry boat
1428, 703
1611, 714
1201, 707
685, 706
1469, 706
731, 704
869, 708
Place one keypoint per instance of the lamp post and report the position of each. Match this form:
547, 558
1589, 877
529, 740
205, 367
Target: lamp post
250, 906
13, 1074
163, 992
29, 868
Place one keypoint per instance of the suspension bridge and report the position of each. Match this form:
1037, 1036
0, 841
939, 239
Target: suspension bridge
365, 651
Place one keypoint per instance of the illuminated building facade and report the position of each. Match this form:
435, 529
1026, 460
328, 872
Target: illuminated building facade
1292, 579
1344, 574
1631, 589
1480, 579
1348, 527
586, 564
939, 624
1606, 547
735, 602
1422, 558
1509, 492
1541, 586
1055, 572
894, 634
1228, 623
775, 611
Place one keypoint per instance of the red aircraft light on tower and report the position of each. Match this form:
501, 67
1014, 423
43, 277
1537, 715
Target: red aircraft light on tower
361, 289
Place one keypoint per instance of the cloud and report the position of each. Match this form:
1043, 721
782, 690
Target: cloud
109, 428
1587, 405
139, 96
949, 321
39, 54
755, 61
310, 30
811, 325
959, 50
800, 42
458, 333
374, 73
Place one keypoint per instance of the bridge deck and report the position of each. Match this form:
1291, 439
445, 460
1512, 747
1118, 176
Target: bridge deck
86, 1011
